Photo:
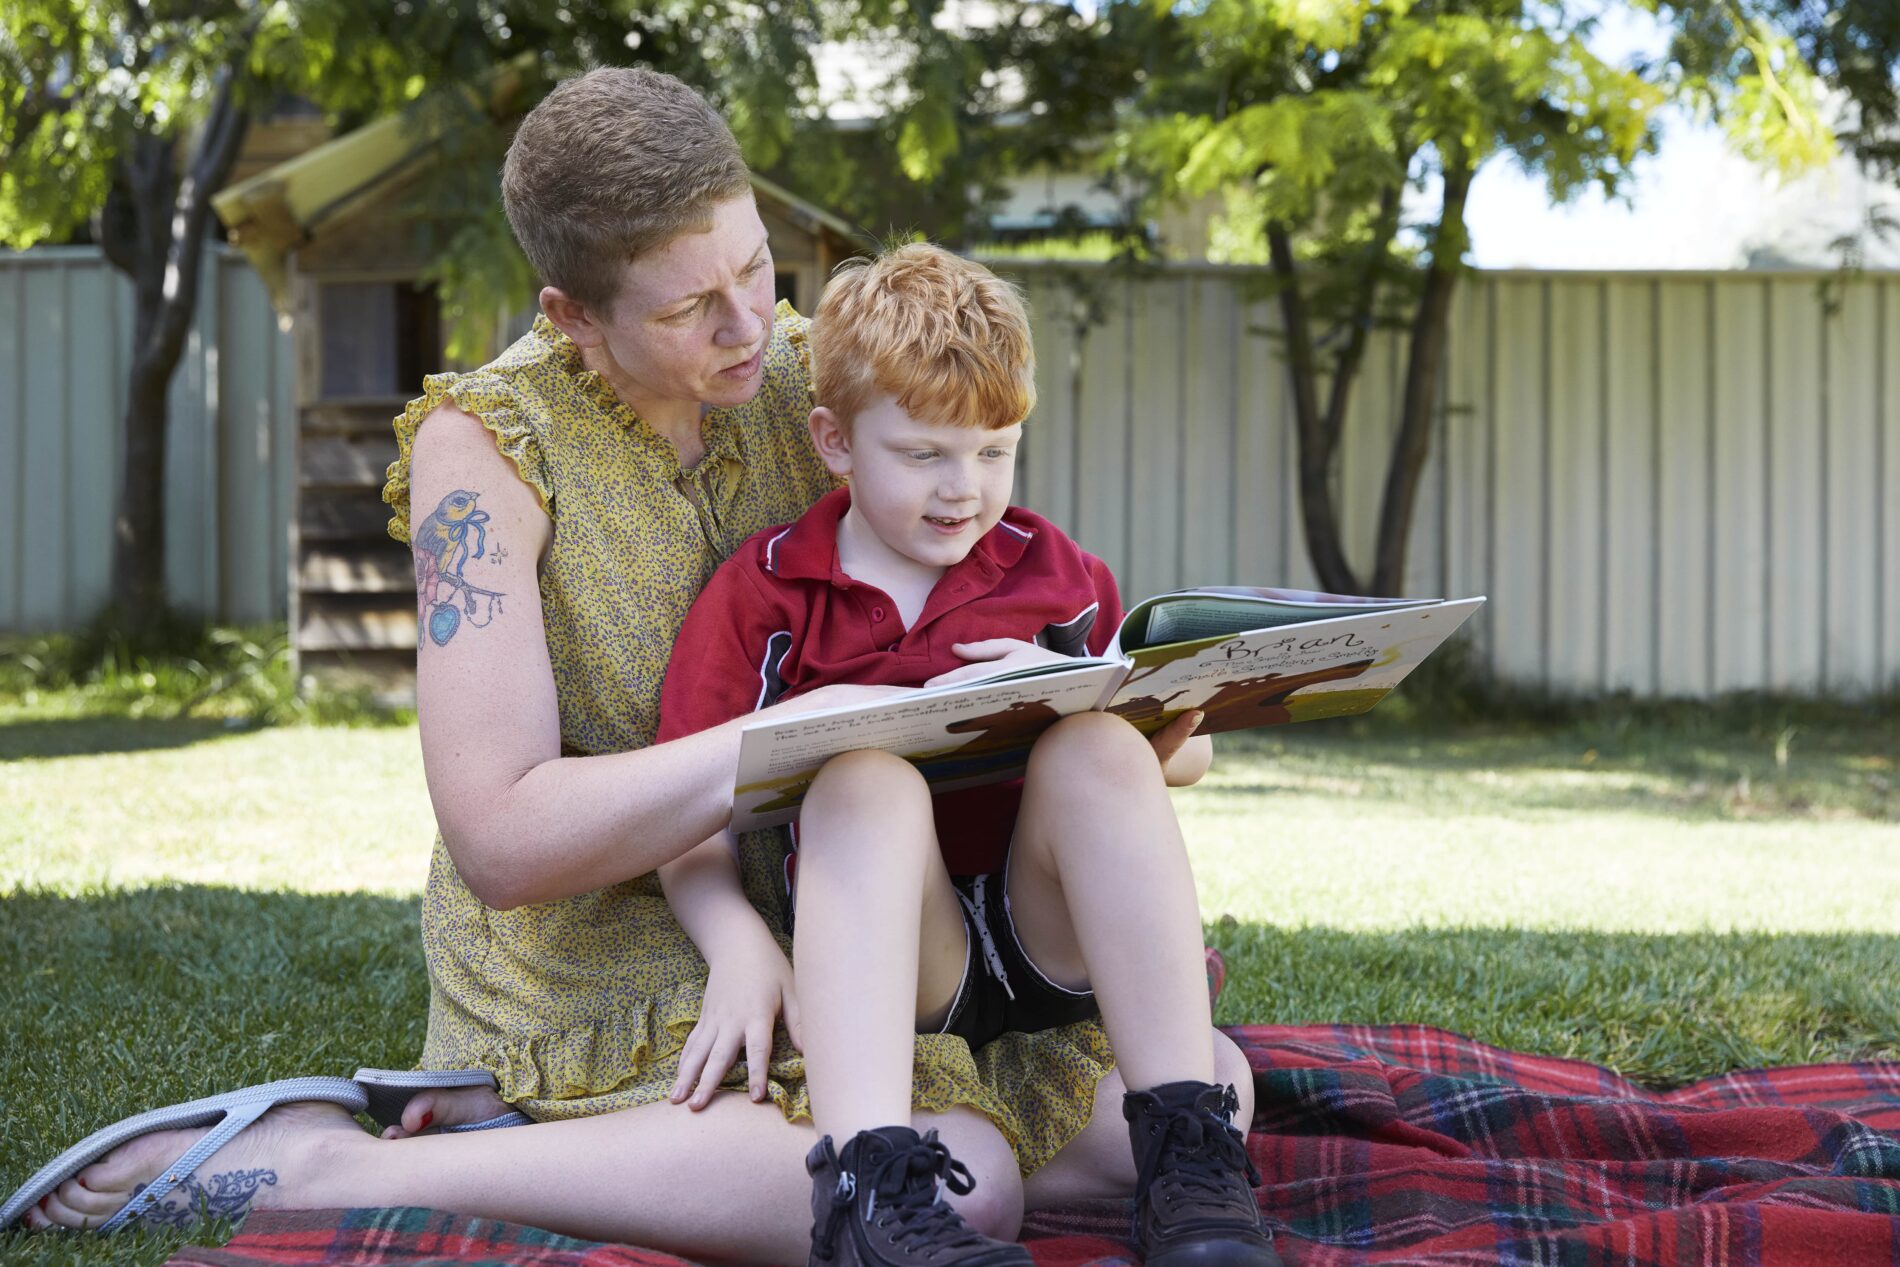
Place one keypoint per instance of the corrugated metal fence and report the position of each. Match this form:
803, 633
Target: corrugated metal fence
1672, 484
65, 348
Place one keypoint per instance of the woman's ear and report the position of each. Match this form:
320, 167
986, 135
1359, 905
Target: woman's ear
832, 441
570, 317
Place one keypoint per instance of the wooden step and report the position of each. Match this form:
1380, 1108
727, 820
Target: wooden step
329, 627
355, 415
389, 676
346, 461
382, 569
347, 515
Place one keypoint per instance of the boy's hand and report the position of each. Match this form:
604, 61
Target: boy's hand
1181, 763
746, 990
994, 655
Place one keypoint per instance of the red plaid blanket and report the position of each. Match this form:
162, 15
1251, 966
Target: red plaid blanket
1406, 1144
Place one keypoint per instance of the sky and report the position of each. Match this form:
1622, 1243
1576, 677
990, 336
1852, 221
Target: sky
1696, 204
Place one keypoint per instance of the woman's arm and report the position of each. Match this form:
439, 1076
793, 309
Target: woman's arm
523, 823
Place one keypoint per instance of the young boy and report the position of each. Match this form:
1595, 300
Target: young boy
1074, 891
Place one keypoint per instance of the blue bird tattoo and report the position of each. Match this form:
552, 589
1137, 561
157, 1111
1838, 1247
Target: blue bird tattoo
453, 534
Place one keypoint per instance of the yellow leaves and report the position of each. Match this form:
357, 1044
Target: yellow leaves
1775, 111
927, 138
1333, 24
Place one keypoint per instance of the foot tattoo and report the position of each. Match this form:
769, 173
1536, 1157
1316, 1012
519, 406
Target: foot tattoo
228, 1196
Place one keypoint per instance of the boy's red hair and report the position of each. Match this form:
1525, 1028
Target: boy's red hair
944, 336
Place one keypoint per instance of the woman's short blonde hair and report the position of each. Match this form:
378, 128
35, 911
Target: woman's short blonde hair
609, 166
944, 336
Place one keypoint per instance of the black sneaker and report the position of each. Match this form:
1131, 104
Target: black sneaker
1194, 1203
879, 1204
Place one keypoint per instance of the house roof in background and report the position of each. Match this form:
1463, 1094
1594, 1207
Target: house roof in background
290, 204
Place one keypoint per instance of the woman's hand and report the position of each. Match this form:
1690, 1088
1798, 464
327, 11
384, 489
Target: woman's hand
748, 986
992, 656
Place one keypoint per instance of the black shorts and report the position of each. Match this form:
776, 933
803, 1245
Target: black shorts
1002, 992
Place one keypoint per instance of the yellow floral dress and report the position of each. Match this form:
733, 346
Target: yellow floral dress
581, 1006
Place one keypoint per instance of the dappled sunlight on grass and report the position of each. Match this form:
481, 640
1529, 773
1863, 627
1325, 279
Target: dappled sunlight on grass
1660, 1008
308, 808
1666, 826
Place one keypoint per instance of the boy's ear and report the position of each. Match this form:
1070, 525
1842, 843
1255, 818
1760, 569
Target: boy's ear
831, 440
570, 318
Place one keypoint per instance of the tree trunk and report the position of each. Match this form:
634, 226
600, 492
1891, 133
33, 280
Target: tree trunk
1318, 515
156, 234
138, 545
1425, 355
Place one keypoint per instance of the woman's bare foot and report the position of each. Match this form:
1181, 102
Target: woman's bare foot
278, 1161
439, 1110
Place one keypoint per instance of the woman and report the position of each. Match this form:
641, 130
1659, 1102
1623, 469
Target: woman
565, 504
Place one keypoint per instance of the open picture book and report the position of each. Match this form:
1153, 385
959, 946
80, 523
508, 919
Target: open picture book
1244, 657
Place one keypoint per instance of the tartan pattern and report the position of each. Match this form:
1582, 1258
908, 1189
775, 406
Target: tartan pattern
408, 1236
1413, 1145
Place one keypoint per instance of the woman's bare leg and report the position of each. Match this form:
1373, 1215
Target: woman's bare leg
727, 1182
459, 1106
1099, 1163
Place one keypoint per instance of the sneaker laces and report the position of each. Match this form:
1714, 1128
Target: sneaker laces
902, 1182
1205, 1148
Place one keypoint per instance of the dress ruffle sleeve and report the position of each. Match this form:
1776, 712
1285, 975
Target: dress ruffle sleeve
487, 397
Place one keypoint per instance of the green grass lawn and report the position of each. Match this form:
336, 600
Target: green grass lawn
188, 905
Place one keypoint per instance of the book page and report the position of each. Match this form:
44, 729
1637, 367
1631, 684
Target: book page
957, 736
1226, 609
1270, 676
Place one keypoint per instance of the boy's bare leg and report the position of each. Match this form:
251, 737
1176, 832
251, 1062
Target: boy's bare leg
1102, 896
879, 941
727, 1182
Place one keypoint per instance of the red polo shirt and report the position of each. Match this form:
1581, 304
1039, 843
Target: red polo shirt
780, 618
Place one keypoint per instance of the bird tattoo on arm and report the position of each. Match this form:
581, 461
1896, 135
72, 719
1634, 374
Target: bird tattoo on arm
455, 533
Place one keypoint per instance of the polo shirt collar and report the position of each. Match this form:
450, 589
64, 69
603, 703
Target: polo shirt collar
808, 550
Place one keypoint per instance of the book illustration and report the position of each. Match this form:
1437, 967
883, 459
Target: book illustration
786, 795
1025, 719
1000, 740
951, 741
1153, 660
1260, 699
1149, 713
1263, 658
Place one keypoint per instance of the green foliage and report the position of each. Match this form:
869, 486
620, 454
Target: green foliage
1737, 61
1091, 247
79, 79
1314, 114
180, 670
1854, 46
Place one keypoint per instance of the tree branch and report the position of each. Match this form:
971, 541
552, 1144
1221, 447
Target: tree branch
218, 146
1346, 373
1412, 443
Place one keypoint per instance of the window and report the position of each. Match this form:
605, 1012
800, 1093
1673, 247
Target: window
378, 338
